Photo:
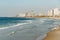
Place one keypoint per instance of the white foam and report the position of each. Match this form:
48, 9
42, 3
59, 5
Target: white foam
4, 28
41, 37
28, 22
14, 25
11, 33
19, 24
55, 28
42, 20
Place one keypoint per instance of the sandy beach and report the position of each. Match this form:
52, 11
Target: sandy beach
53, 35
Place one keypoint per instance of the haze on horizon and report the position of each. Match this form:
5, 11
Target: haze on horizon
13, 7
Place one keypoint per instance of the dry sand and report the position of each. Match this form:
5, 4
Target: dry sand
53, 35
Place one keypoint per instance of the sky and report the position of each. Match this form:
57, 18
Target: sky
12, 7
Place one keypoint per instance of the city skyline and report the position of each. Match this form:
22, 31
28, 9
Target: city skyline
51, 13
12, 7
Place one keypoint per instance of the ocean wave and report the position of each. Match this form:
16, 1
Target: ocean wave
41, 37
13, 25
42, 21
3, 27
29, 21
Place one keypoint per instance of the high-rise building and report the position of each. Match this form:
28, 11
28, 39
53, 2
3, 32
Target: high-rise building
50, 12
54, 12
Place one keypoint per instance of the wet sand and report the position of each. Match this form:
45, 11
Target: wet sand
53, 34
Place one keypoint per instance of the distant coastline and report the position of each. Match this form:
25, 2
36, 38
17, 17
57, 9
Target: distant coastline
57, 17
34, 17
52, 13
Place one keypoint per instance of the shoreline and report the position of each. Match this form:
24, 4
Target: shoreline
34, 17
53, 34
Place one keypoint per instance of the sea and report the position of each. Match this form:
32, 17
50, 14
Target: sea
17, 28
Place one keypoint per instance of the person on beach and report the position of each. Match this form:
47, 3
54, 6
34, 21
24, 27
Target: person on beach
53, 34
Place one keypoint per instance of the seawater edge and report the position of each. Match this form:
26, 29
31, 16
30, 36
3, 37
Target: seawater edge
34, 17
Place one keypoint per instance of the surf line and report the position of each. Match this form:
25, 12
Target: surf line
15, 25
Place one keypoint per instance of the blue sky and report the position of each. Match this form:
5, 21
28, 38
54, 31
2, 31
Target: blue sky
13, 7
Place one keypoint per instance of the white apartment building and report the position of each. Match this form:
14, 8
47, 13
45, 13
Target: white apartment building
54, 12
20, 15
28, 14
41, 14
50, 12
